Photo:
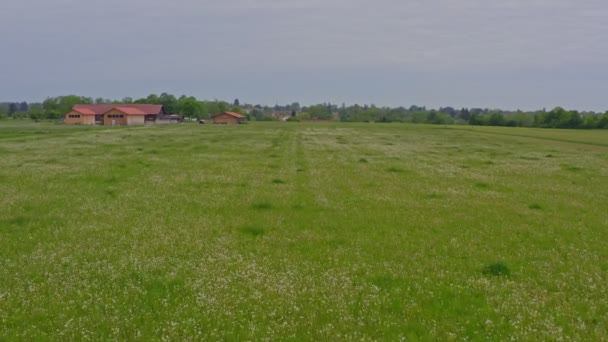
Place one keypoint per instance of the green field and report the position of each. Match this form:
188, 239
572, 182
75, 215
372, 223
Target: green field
302, 231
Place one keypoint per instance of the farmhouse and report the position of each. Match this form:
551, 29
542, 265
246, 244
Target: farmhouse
228, 118
114, 114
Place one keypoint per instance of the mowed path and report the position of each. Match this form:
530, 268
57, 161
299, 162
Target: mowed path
302, 231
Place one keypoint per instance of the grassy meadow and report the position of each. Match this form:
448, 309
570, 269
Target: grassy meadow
302, 232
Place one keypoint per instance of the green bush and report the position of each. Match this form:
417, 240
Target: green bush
496, 269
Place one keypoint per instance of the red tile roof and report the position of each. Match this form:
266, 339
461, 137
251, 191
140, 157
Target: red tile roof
84, 111
129, 109
236, 115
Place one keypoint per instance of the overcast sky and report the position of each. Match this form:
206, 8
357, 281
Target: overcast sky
510, 54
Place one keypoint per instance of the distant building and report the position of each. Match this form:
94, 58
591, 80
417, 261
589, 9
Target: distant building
228, 118
116, 114
172, 118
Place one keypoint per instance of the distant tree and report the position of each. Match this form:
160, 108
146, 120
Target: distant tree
36, 113
169, 101
237, 110
3, 111
322, 112
414, 108
192, 108
476, 120
590, 121
522, 119
603, 121
439, 118
12, 109
151, 99
300, 116
57, 106
477, 111
295, 107
496, 119
181, 103
222, 106
569, 119
559, 118
269, 118
549, 119
23, 107
464, 114
35, 106
448, 111
236, 103
212, 108
419, 116
256, 114
399, 114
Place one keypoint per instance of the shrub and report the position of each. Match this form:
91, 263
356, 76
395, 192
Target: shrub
496, 269
254, 231
262, 205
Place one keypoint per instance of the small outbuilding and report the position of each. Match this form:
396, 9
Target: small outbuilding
228, 118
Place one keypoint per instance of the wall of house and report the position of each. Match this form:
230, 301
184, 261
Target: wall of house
80, 120
136, 120
225, 119
108, 119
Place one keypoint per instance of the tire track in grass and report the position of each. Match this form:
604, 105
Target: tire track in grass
270, 196
303, 195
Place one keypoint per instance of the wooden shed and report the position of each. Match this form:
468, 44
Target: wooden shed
228, 118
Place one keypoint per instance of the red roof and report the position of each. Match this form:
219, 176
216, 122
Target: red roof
129, 109
236, 115
84, 111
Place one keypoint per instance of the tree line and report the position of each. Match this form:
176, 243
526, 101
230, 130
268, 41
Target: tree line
54, 108
555, 118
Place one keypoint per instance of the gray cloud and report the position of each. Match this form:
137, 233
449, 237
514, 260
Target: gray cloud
510, 53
